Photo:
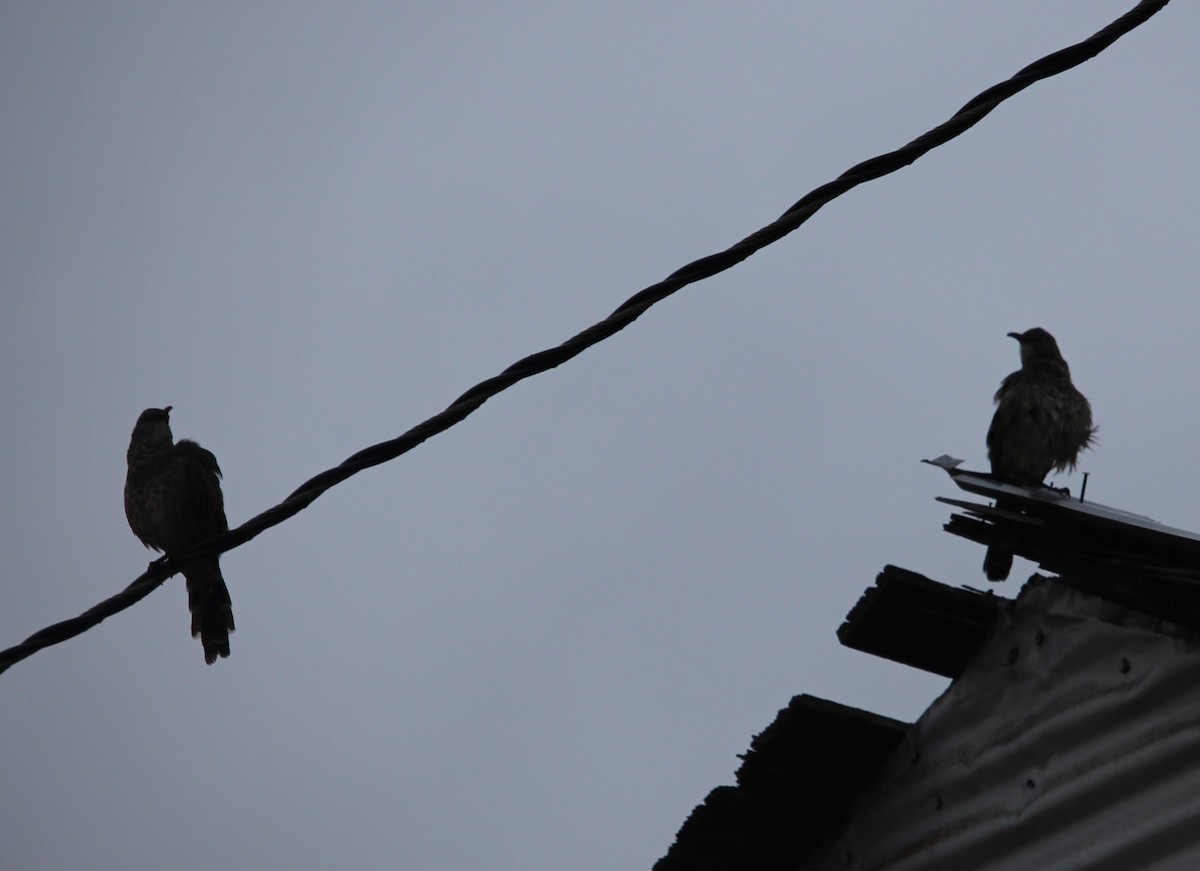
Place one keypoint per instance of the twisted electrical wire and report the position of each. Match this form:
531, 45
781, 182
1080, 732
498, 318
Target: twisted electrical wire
629, 311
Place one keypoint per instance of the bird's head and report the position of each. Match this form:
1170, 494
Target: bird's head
153, 427
1037, 344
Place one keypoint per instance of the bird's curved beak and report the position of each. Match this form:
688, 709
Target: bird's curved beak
1016, 336
168, 408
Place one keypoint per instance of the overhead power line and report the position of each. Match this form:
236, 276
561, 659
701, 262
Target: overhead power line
629, 311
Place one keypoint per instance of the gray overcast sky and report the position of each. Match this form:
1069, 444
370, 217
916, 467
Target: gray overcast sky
539, 639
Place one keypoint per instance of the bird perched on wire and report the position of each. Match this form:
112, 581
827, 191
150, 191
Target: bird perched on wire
1041, 423
173, 501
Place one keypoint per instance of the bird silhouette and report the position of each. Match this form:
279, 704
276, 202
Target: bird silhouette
1041, 423
173, 501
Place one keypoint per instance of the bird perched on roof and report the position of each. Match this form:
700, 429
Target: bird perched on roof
173, 501
1041, 423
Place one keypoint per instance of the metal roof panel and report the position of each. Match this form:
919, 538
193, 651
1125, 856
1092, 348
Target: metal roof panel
1072, 741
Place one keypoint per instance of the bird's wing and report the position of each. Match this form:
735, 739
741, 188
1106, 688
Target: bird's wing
203, 502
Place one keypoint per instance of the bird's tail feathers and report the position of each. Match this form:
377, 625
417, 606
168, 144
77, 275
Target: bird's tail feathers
997, 563
211, 607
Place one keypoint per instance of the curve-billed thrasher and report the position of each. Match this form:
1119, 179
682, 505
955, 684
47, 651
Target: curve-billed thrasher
1041, 423
173, 501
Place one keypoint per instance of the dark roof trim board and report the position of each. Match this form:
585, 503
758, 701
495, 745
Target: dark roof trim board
916, 621
795, 785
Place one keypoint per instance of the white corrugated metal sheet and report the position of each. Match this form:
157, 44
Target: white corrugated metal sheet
1072, 741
